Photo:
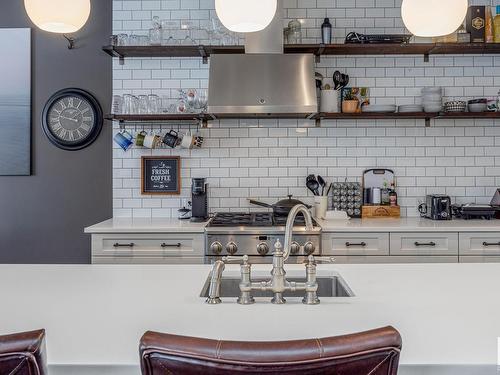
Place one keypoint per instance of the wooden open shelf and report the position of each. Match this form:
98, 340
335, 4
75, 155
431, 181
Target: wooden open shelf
204, 118
425, 49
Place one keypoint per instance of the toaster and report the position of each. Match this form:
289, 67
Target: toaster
436, 207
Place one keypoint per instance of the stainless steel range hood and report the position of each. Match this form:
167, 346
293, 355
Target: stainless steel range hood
262, 84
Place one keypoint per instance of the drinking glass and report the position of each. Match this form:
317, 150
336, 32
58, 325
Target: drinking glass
117, 105
143, 40
122, 40
155, 32
169, 30
187, 28
143, 105
202, 100
133, 40
154, 104
127, 104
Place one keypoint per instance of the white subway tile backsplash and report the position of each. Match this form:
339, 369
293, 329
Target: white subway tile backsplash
268, 159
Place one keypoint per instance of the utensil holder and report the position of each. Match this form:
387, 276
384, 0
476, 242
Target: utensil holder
329, 101
320, 206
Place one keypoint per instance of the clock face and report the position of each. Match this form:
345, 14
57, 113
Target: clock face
72, 119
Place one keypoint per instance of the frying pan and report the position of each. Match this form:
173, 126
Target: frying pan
281, 208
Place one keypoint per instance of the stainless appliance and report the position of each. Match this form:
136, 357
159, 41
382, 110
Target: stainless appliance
254, 234
436, 207
199, 200
474, 211
263, 84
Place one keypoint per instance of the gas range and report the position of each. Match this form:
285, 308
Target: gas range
254, 234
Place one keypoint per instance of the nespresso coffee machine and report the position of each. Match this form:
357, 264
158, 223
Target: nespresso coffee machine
199, 199
436, 207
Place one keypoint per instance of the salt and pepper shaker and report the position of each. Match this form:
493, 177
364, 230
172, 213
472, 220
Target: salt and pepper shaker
326, 32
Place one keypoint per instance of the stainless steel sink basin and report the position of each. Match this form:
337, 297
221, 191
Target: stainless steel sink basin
328, 286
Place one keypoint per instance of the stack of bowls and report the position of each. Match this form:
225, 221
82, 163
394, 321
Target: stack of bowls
432, 99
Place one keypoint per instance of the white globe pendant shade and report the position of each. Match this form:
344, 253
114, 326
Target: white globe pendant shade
246, 16
430, 18
58, 16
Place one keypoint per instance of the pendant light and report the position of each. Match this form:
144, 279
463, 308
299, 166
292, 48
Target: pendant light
59, 16
432, 18
246, 16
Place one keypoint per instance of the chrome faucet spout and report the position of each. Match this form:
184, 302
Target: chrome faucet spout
215, 283
300, 208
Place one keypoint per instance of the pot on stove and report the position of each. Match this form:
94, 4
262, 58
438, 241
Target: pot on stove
281, 208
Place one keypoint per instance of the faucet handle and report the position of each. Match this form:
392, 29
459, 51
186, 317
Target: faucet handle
318, 260
232, 259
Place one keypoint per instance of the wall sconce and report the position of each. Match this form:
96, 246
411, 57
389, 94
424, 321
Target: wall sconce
59, 16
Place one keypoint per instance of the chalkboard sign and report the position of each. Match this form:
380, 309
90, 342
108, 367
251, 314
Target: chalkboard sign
161, 175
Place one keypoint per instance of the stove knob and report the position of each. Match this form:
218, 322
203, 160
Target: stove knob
216, 247
294, 248
231, 248
309, 248
263, 248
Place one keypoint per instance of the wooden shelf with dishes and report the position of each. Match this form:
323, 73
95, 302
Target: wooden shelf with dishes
204, 51
200, 118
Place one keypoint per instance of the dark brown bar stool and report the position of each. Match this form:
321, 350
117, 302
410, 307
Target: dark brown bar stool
23, 354
368, 353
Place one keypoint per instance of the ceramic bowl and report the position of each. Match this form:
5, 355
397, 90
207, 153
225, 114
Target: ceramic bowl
478, 107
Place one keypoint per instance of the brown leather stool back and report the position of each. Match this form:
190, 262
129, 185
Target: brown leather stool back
369, 353
23, 354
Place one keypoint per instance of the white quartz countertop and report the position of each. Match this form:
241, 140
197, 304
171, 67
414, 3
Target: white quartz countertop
409, 225
146, 225
446, 313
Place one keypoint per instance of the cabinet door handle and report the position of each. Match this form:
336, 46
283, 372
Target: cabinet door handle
362, 244
486, 244
123, 244
164, 245
425, 244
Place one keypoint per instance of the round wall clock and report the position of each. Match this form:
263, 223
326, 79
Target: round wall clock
72, 119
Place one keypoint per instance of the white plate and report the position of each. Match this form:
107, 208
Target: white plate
379, 108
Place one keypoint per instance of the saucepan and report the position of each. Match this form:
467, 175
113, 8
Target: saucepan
281, 208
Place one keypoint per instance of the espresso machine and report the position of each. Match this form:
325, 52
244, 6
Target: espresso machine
199, 199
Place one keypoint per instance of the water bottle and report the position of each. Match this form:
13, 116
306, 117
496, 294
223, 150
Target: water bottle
326, 31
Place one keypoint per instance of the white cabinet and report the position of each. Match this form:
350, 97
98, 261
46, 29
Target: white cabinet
147, 248
366, 244
435, 243
480, 244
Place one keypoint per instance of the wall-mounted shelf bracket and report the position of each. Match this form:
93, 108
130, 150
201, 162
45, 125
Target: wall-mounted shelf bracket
203, 54
426, 57
319, 52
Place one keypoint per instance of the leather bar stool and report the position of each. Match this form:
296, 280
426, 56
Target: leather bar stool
23, 354
373, 352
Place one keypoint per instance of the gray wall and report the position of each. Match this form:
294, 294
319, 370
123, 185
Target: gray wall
42, 216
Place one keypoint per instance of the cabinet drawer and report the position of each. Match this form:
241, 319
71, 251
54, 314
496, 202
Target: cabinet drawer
148, 245
355, 244
479, 243
424, 243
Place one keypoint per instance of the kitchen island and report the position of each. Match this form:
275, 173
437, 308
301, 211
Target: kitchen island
95, 314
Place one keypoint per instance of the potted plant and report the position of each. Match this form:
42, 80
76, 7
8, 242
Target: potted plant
350, 104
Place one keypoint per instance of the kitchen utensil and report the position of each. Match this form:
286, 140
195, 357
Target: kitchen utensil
124, 139
478, 107
337, 77
152, 141
139, 139
455, 106
322, 183
345, 80
187, 140
313, 185
282, 207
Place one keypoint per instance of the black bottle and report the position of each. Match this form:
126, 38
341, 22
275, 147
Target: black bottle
326, 32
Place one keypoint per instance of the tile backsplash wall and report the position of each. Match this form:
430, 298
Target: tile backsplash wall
269, 159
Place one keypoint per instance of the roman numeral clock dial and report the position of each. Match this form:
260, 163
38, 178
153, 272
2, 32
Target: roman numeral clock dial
72, 119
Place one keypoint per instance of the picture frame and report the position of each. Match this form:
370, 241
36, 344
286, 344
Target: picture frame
160, 175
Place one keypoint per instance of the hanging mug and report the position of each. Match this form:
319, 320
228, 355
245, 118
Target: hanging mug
124, 139
171, 139
139, 139
187, 140
151, 141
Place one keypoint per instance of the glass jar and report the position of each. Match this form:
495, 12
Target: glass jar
294, 32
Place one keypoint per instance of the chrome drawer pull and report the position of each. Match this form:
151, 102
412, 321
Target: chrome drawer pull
362, 244
491, 244
164, 245
124, 244
425, 244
